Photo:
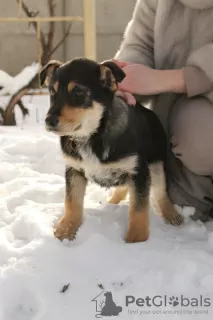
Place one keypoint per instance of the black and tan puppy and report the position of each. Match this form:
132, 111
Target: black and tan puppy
105, 141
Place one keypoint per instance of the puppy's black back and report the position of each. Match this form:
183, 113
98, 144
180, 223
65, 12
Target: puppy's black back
141, 134
152, 136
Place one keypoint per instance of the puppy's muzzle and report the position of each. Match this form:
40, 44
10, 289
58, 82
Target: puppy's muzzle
52, 123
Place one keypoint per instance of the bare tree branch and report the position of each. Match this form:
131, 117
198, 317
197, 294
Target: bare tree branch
51, 32
66, 34
32, 14
47, 42
25, 111
9, 116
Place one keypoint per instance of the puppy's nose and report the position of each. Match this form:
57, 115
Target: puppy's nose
52, 121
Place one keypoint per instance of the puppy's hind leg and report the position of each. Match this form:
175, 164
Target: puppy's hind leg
159, 189
118, 195
139, 207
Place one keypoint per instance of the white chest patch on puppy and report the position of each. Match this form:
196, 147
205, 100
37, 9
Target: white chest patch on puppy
99, 172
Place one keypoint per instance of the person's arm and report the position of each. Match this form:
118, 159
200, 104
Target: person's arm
169, 81
137, 46
192, 80
198, 73
146, 81
196, 78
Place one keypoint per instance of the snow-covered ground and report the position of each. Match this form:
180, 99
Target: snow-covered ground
11, 85
34, 266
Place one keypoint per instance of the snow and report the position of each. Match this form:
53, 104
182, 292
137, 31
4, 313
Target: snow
5, 79
11, 85
34, 266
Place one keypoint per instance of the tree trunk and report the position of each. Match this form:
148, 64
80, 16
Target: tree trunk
9, 114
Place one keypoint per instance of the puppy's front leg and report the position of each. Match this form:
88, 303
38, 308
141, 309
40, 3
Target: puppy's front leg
68, 225
139, 207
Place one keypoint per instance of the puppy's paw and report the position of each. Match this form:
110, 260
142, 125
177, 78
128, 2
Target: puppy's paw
169, 213
174, 218
66, 229
137, 235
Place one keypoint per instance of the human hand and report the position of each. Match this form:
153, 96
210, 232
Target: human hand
143, 80
139, 79
130, 99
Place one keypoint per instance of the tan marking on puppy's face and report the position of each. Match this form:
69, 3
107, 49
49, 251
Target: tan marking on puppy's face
72, 115
79, 121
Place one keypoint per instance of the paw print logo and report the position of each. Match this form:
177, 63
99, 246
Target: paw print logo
173, 301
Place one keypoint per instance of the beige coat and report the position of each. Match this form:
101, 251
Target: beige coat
172, 34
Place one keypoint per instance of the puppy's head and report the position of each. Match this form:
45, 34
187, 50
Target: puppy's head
80, 91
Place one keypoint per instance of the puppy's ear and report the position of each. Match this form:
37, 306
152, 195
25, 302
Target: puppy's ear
110, 75
47, 70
